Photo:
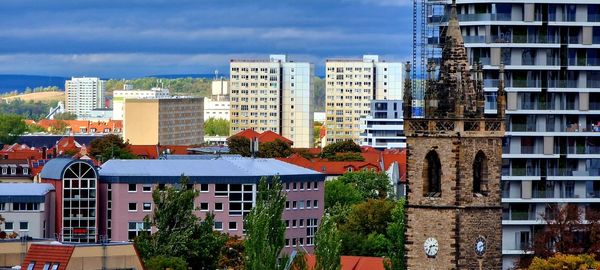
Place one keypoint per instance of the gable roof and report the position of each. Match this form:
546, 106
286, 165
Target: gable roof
267, 136
330, 167
48, 253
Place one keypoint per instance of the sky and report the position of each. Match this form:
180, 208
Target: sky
133, 38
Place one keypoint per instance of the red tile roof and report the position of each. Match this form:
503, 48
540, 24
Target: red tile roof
351, 262
267, 136
153, 151
330, 167
111, 126
43, 253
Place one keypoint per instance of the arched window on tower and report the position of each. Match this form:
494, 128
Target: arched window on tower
432, 175
480, 174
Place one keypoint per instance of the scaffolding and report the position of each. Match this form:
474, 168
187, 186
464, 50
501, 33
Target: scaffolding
429, 24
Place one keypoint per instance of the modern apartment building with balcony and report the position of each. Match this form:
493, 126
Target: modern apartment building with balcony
351, 84
272, 94
551, 53
383, 128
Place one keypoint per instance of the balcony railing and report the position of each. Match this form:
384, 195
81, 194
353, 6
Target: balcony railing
484, 17
583, 149
449, 125
521, 172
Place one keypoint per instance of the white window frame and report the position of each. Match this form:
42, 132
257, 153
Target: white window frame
131, 191
129, 208
144, 207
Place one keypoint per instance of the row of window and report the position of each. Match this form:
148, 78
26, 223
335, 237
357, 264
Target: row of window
145, 188
9, 226
301, 204
301, 186
146, 207
299, 242
47, 266
232, 225
15, 170
20, 207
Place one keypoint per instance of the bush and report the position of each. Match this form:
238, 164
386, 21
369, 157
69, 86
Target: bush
162, 263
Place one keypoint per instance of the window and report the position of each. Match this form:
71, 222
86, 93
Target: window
294, 186
55, 266
218, 225
203, 206
147, 188
287, 186
135, 228
315, 204
480, 174
287, 242
232, 225
294, 223
301, 204
315, 185
132, 188
432, 173
31, 266
147, 207
203, 187
2, 207
132, 207
8, 226
301, 223
294, 204
301, 185
221, 190
218, 206
287, 204
24, 226
287, 223
46, 266
307, 204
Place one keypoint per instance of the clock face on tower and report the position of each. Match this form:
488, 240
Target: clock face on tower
480, 246
431, 247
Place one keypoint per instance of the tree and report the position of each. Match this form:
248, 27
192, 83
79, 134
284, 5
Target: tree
274, 149
179, 233
396, 235
340, 147
239, 145
11, 127
338, 192
363, 229
328, 245
216, 127
33, 128
232, 254
110, 146
265, 230
65, 116
370, 184
347, 157
564, 261
162, 263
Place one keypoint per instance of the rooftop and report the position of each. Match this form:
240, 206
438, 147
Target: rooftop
225, 169
25, 189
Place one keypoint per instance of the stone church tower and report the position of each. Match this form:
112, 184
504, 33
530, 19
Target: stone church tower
454, 210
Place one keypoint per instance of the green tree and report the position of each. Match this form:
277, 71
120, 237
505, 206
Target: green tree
65, 116
216, 127
232, 254
347, 157
274, 149
179, 233
33, 128
328, 245
340, 147
110, 146
58, 127
564, 261
265, 230
239, 145
162, 263
11, 127
370, 184
363, 229
338, 192
396, 236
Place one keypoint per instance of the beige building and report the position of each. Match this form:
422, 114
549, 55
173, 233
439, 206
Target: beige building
128, 92
350, 86
273, 94
166, 121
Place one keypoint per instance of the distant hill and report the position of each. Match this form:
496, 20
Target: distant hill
39, 96
195, 76
19, 83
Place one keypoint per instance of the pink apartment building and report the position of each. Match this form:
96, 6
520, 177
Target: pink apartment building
227, 187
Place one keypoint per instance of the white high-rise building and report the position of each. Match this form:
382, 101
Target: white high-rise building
273, 94
351, 84
128, 92
83, 94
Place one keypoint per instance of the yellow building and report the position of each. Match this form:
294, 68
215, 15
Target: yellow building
351, 84
166, 121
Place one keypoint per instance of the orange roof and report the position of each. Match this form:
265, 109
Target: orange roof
76, 126
267, 136
395, 155
153, 151
45, 253
330, 167
351, 262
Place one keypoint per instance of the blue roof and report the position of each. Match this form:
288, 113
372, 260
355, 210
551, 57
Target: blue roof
24, 192
49, 141
55, 167
222, 170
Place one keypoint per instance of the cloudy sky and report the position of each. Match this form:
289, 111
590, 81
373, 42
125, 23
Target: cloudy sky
128, 38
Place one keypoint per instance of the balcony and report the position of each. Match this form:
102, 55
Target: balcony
583, 150
484, 17
589, 62
563, 84
521, 171
518, 127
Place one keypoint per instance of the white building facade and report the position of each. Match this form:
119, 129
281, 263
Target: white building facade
383, 128
128, 92
27, 209
83, 94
